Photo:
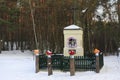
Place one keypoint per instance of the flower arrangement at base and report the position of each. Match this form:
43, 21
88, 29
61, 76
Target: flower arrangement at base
49, 53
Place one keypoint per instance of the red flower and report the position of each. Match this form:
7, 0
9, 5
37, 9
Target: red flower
72, 52
49, 52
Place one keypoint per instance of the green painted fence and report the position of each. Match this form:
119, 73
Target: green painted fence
61, 62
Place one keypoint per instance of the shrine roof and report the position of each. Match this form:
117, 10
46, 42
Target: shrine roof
72, 27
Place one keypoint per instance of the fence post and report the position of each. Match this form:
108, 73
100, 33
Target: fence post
0, 46
72, 66
36, 52
97, 63
37, 63
49, 63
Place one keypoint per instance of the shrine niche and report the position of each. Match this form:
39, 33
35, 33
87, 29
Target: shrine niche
73, 40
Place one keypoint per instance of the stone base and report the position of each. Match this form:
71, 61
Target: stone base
78, 51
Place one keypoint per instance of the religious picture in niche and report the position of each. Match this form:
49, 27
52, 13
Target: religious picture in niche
72, 42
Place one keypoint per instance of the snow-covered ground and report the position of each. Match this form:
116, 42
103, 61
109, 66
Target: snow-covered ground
15, 65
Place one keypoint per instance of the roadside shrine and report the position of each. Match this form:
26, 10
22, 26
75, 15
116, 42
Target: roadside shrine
73, 58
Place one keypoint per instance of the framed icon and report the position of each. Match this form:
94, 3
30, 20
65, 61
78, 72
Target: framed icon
72, 42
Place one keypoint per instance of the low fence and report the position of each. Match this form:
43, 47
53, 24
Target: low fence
81, 63
63, 62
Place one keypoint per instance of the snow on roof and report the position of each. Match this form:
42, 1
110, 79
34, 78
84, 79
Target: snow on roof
72, 27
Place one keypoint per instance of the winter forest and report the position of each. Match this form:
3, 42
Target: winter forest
30, 24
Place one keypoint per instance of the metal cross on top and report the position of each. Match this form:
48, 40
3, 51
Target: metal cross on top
74, 8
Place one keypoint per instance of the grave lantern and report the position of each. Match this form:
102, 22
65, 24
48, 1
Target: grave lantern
96, 51
36, 52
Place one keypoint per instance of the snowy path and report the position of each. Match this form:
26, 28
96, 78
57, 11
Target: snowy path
15, 65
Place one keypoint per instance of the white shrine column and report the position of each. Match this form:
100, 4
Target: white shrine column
73, 40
